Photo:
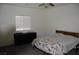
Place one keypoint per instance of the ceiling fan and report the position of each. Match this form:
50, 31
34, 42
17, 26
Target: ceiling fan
46, 5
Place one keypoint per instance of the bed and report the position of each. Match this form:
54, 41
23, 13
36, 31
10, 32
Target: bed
60, 43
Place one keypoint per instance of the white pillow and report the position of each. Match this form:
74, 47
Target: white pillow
63, 36
59, 34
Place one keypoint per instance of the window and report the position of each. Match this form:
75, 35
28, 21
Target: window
23, 23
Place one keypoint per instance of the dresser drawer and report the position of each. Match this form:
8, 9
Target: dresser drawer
22, 38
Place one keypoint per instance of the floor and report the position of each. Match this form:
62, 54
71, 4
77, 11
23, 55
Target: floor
27, 49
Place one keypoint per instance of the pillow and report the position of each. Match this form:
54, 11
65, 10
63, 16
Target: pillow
69, 36
58, 34
63, 36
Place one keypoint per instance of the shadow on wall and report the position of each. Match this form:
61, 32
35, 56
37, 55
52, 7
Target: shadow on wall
7, 37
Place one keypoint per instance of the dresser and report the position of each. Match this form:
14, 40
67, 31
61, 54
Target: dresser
23, 38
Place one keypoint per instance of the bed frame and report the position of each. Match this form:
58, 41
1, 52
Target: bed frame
35, 48
75, 34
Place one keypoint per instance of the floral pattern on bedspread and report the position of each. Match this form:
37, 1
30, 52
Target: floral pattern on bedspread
49, 45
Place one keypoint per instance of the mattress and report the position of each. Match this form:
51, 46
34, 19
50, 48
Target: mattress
64, 42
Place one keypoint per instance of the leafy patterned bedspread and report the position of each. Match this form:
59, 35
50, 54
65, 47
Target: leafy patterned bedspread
49, 45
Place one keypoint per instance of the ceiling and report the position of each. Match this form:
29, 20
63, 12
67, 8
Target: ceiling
35, 5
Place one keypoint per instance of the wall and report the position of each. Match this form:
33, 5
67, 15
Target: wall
44, 21
63, 18
7, 21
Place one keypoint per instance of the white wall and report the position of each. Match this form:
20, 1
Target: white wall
63, 18
7, 18
43, 21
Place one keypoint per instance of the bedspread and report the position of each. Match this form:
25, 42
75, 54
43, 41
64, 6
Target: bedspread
49, 45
